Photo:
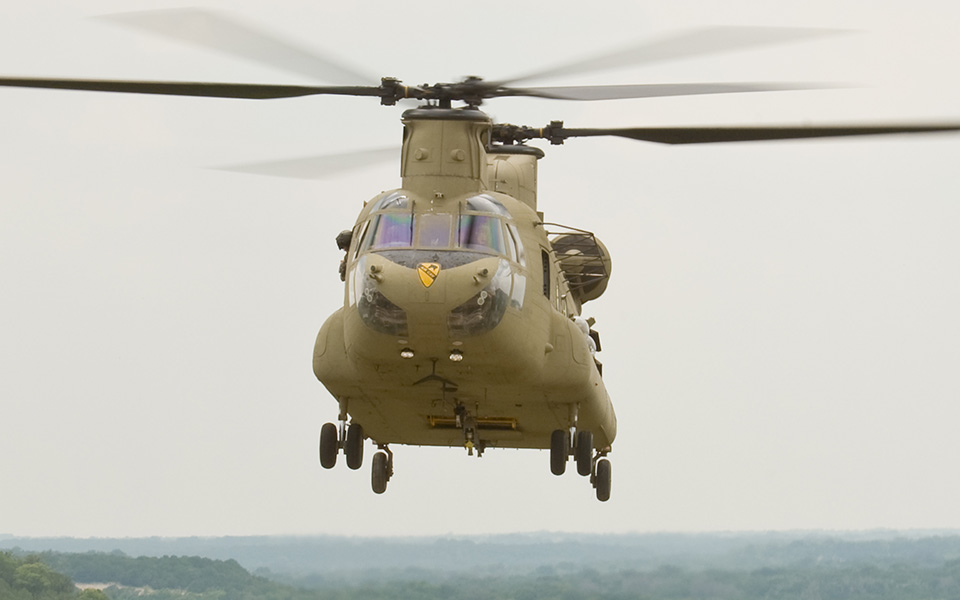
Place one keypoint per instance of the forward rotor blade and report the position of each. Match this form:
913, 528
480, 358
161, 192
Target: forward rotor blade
616, 92
318, 167
712, 135
699, 42
215, 31
190, 88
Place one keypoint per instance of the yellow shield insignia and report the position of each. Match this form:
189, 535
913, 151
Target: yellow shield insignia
428, 273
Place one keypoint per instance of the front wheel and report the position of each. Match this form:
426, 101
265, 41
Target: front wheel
354, 446
559, 450
329, 445
380, 474
603, 480
583, 452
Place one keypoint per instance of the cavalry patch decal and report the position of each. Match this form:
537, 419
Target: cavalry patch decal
428, 273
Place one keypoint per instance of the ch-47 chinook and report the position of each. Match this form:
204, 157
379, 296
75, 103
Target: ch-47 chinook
461, 321
460, 324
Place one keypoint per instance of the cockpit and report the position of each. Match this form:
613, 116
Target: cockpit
481, 225
477, 228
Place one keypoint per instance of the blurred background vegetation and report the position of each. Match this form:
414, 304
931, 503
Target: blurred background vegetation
874, 565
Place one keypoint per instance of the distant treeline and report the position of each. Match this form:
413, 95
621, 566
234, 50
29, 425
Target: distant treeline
522, 567
333, 561
670, 583
194, 578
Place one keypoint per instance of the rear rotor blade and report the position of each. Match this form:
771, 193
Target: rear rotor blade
318, 167
699, 42
215, 31
712, 135
190, 88
617, 92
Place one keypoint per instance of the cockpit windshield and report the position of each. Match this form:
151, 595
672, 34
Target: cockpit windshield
393, 230
433, 230
479, 227
479, 232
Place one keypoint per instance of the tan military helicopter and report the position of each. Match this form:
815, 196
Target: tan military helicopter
461, 321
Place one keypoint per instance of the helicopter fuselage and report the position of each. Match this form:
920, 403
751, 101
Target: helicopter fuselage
456, 306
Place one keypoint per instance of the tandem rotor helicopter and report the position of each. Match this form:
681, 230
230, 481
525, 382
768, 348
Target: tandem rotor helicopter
461, 320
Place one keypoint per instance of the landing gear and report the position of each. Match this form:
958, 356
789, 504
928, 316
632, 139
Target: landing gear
589, 462
583, 452
601, 480
350, 438
329, 445
559, 451
332, 439
382, 470
353, 447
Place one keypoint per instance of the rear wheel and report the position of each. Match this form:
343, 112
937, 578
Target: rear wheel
354, 446
603, 480
380, 474
559, 450
583, 452
328, 445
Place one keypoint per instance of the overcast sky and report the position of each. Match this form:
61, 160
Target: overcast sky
781, 334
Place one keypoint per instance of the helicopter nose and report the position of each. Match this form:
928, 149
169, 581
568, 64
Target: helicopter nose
436, 301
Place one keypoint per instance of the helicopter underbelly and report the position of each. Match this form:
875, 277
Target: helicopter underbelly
520, 381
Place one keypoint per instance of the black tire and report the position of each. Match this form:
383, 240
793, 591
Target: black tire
603, 480
354, 446
583, 452
328, 445
559, 451
378, 477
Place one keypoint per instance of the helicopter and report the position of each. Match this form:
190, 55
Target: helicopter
461, 323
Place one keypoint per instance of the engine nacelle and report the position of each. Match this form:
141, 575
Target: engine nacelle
585, 263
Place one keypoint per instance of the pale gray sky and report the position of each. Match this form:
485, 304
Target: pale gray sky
781, 337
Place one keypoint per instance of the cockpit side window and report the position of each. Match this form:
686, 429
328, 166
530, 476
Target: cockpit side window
360, 238
511, 241
517, 242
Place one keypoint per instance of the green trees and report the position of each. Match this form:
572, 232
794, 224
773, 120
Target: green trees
39, 579
30, 579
